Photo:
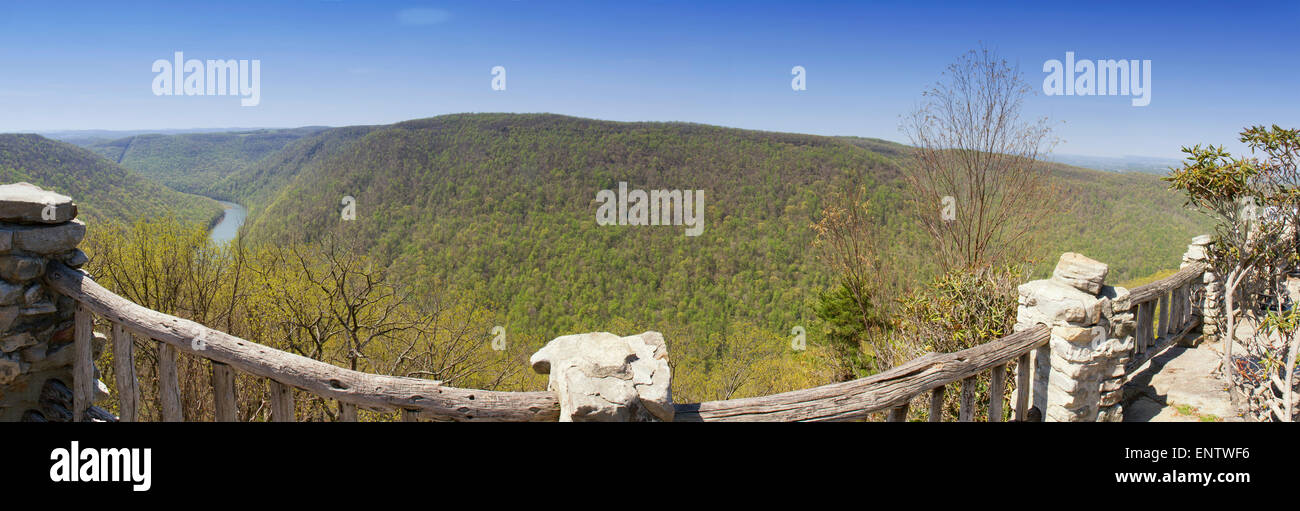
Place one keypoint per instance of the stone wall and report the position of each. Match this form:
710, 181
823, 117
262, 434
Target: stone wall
36, 325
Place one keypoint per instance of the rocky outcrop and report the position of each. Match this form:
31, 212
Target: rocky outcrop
1080, 272
1090, 340
26, 203
36, 325
601, 377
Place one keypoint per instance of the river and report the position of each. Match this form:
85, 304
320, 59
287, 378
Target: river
228, 227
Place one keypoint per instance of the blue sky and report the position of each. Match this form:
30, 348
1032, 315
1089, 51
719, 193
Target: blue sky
1215, 67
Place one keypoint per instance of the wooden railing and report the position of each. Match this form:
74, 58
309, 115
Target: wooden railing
416, 398
1163, 311
890, 391
894, 389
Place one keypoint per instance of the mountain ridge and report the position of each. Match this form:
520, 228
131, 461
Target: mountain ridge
504, 205
103, 190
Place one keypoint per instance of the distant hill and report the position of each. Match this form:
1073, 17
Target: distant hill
1145, 164
504, 205
258, 183
101, 188
191, 162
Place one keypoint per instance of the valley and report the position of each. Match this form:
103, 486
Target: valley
500, 206
503, 211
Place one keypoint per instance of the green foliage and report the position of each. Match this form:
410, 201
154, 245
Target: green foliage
258, 183
961, 309
493, 216
1211, 177
101, 189
1130, 221
326, 302
1255, 203
192, 162
504, 205
743, 361
956, 311
847, 327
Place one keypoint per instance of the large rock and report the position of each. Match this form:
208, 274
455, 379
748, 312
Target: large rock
1078, 334
1052, 303
601, 377
47, 239
1119, 298
21, 269
1081, 272
76, 258
16, 342
26, 203
9, 370
10, 293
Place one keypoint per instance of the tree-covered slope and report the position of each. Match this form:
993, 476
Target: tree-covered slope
505, 205
1131, 221
260, 182
102, 189
192, 162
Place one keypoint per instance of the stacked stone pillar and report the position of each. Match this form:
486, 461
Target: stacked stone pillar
1122, 343
1207, 300
37, 227
1078, 376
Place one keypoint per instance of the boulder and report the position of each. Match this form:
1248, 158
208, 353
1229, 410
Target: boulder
10, 293
26, 203
1079, 335
1080, 272
76, 258
34, 294
16, 342
19, 269
47, 239
601, 377
9, 370
1052, 303
1119, 298
7, 316
1111, 413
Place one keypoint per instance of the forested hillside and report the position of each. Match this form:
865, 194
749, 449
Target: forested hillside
102, 189
503, 206
257, 184
1132, 221
191, 162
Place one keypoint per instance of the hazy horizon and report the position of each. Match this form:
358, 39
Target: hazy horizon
72, 133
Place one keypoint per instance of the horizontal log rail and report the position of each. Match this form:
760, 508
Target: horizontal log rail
1148, 292
1165, 314
890, 389
430, 399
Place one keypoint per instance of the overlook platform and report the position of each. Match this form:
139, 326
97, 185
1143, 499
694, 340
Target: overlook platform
1180, 385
